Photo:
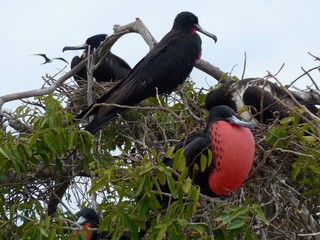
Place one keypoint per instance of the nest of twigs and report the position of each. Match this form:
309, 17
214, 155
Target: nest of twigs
77, 94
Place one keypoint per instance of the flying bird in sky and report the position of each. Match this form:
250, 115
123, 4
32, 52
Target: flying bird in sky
49, 60
166, 66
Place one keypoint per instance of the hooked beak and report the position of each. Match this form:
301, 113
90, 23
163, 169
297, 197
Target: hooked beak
210, 35
83, 46
236, 121
81, 220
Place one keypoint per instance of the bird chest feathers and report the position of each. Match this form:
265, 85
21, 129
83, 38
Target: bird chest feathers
233, 152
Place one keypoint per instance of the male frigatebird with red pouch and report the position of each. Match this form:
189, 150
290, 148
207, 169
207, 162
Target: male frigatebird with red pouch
111, 67
232, 145
166, 66
89, 218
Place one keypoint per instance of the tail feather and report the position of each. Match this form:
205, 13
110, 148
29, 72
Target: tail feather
97, 123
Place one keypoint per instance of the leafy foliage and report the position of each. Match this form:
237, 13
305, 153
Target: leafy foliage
121, 169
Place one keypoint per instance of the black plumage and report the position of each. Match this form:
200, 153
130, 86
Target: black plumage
166, 66
201, 142
89, 217
111, 67
265, 100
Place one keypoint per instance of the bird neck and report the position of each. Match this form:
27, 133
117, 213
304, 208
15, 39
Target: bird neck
86, 232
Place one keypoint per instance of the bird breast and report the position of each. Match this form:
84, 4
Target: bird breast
233, 152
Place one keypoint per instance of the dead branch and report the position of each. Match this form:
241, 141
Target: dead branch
213, 71
41, 91
15, 123
305, 73
138, 27
315, 57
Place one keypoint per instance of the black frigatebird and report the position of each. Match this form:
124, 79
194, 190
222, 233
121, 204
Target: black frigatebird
265, 100
111, 67
88, 217
232, 145
166, 66
49, 60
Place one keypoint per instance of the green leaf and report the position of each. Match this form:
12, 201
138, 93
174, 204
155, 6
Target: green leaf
147, 168
34, 138
27, 150
238, 223
203, 163
182, 222
309, 139
179, 161
51, 141
169, 153
4, 153
287, 120
210, 158
228, 217
161, 233
257, 209
131, 226
73, 138
296, 168
161, 177
172, 185
187, 185
315, 169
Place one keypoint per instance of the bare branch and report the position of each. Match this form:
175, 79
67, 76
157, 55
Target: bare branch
314, 83
137, 27
15, 123
305, 73
244, 65
213, 71
315, 57
41, 91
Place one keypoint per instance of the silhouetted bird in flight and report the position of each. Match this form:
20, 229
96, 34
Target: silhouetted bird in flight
265, 100
49, 60
88, 217
111, 67
232, 145
166, 66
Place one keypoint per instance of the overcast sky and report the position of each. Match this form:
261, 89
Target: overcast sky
271, 32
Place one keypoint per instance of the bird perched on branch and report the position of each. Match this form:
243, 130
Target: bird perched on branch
264, 100
49, 60
166, 66
111, 67
88, 217
232, 147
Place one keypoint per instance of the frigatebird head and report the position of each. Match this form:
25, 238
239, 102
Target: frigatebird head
86, 217
225, 113
94, 42
187, 21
